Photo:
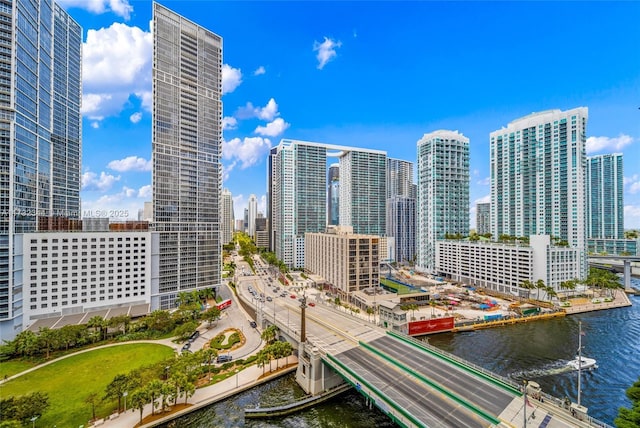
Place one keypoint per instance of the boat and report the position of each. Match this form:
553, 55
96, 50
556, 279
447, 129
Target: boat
583, 363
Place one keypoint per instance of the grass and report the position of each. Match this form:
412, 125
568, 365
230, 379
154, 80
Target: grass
68, 382
11, 367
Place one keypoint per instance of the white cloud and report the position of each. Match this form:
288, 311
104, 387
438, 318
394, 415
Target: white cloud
596, 144
268, 112
95, 125
130, 163
326, 51
629, 180
485, 181
633, 183
248, 151
634, 188
260, 70
120, 206
116, 65
273, 129
103, 182
229, 122
632, 216
231, 78
119, 7
476, 172
226, 170
145, 192
135, 117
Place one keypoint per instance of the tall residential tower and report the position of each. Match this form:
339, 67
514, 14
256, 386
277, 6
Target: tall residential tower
187, 174
443, 192
40, 133
401, 209
538, 166
605, 205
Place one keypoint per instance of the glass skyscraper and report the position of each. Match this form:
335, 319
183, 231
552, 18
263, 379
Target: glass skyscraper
401, 208
187, 146
605, 204
40, 132
333, 196
443, 192
538, 165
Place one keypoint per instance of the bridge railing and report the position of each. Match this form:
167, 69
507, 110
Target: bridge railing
546, 398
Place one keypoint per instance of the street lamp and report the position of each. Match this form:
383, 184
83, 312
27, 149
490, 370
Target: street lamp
33, 421
124, 394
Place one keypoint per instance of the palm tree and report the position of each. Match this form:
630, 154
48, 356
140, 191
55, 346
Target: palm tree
207, 356
97, 323
154, 389
270, 333
527, 285
540, 285
139, 399
262, 358
370, 311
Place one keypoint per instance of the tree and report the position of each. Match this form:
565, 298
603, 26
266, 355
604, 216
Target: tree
630, 418
208, 355
527, 285
262, 359
99, 324
117, 387
29, 406
540, 285
212, 314
168, 391
139, 398
92, 400
26, 343
154, 389
47, 340
270, 334
370, 311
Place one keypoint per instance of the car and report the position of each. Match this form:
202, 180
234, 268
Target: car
186, 346
312, 304
269, 299
224, 358
283, 294
293, 296
253, 324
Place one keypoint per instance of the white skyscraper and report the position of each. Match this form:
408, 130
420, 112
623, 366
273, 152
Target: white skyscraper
228, 218
538, 166
443, 192
605, 203
252, 207
187, 146
401, 209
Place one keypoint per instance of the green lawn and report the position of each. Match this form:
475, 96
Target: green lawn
11, 367
68, 382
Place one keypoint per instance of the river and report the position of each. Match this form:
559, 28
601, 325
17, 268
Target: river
535, 351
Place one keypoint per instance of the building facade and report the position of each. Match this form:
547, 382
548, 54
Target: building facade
228, 218
399, 178
363, 190
620, 247
299, 193
443, 192
333, 195
69, 273
401, 225
348, 261
252, 214
483, 219
605, 203
40, 133
186, 151
262, 237
538, 165
504, 267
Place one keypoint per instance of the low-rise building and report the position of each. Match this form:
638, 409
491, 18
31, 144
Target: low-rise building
619, 247
504, 267
66, 273
348, 261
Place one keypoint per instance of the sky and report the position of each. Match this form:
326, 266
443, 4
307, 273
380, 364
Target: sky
375, 75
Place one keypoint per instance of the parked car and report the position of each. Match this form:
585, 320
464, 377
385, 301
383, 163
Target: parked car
253, 324
269, 298
312, 304
186, 346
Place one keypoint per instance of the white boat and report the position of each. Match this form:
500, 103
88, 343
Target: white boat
583, 363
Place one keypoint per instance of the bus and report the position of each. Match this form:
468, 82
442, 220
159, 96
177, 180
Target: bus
224, 304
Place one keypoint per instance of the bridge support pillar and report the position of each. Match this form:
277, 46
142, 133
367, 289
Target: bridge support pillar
627, 274
313, 376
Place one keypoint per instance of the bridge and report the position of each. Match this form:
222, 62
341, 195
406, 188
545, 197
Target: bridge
626, 260
415, 384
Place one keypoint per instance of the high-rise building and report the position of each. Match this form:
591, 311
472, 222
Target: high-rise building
363, 190
538, 165
605, 204
443, 192
299, 193
252, 214
227, 216
187, 174
333, 195
40, 133
401, 209
270, 172
483, 218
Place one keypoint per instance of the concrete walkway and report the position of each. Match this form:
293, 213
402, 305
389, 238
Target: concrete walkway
243, 380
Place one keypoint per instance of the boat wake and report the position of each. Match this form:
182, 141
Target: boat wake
552, 369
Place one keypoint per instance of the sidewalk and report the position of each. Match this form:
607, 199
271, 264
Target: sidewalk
243, 380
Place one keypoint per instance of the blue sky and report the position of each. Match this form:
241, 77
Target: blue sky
366, 74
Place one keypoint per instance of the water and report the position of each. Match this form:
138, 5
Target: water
535, 351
